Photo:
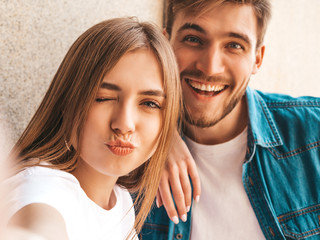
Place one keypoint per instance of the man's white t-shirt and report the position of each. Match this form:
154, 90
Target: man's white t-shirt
84, 219
224, 211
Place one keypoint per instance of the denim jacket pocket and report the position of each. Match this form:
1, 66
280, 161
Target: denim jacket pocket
154, 231
302, 224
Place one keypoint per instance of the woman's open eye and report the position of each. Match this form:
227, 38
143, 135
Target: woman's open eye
152, 104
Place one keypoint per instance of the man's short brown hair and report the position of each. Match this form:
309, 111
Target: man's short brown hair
262, 9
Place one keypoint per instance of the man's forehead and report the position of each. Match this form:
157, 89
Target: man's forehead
197, 12
226, 18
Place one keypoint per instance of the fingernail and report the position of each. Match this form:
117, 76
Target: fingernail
197, 198
184, 217
175, 219
157, 203
188, 208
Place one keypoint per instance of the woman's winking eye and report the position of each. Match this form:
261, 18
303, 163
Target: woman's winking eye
104, 99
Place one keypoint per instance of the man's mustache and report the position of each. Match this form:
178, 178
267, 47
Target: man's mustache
201, 76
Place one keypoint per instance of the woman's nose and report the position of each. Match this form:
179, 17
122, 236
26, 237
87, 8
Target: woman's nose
123, 119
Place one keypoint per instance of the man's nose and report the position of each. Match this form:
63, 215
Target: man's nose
211, 62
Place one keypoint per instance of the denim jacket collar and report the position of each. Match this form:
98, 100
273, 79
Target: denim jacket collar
262, 130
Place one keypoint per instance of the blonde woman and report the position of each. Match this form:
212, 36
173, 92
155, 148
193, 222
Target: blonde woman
102, 130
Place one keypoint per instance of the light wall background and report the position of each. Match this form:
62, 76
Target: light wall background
292, 59
36, 34
34, 37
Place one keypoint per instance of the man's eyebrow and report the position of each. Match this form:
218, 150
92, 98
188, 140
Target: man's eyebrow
191, 26
199, 29
157, 93
241, 36
110, 86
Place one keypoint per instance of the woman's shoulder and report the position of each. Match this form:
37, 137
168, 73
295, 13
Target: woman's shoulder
42, 177
37, 184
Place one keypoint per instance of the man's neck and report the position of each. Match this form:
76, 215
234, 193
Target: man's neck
226, 129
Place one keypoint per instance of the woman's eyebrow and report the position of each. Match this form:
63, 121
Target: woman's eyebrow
148, 92
110, 86
151, 92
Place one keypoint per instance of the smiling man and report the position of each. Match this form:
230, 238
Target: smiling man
216, 53
256, 155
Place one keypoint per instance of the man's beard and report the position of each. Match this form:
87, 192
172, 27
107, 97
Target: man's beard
205, 121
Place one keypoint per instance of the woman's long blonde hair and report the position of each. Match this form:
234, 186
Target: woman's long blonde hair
64, 109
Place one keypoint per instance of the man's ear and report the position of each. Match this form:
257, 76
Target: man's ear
259, 57
165, 33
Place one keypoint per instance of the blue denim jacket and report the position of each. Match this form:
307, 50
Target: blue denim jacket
281, 174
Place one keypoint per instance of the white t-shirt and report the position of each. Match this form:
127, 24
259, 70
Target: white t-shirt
84, 219
224, 211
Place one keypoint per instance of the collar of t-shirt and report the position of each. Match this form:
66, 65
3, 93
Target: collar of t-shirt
225, 157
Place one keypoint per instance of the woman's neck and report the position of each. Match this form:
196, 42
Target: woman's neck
97, 186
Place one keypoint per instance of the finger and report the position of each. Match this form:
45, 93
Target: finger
193, 173
166, 197
178, 196
186, 188
158, 199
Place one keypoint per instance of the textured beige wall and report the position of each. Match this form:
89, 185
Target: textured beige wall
35, 36
292, 59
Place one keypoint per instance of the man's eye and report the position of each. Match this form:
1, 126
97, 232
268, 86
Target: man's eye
151, 104
192, 40
235, 45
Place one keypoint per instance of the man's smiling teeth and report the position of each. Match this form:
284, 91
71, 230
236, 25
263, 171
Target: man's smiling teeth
206, 87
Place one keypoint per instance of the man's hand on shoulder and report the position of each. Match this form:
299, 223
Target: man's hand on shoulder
180, 165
